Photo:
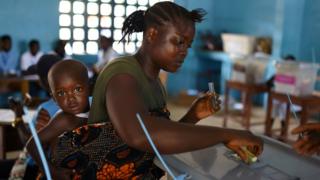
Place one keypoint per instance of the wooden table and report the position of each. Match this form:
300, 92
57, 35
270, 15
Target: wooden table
9, 138
22, 82
248, 90
309, 104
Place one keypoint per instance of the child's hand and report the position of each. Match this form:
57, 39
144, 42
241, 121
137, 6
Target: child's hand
42, 119
16, 106
205, 106
245, 139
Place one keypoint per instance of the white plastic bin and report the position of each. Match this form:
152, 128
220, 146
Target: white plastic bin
237, 44
254, 70
296, 78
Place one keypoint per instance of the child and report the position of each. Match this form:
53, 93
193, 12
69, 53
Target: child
68, 81
24, 166
130, 85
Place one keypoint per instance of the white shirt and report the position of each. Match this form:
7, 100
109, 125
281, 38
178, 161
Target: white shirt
28, 60
104, 57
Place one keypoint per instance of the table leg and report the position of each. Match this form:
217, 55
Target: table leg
304, 115
247, 110
268, 123
285, 125
2, 143
226, 105
24, 87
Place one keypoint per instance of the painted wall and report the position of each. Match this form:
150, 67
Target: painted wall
310, 33
294, 26
24, 20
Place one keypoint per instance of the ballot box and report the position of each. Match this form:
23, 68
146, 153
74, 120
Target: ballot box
277, 162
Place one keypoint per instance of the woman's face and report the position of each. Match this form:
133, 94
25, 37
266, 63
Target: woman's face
171, 44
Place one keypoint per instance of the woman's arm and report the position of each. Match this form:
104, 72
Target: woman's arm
123, 102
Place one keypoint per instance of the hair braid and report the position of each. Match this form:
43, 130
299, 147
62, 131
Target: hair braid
133, 23
159, 14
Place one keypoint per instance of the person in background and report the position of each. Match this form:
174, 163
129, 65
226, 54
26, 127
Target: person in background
8, 58
106, 53
309, 142
59, 49
130, 85
279, 108
30, 58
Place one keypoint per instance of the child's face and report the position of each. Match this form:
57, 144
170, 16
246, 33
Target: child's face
171, 45
70, 94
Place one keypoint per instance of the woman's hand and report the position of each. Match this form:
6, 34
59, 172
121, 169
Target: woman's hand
204, 106
243, 140
309, 142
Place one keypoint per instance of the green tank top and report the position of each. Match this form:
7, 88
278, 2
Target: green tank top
123, 65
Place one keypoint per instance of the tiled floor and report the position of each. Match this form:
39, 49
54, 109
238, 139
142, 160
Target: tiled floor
257, 119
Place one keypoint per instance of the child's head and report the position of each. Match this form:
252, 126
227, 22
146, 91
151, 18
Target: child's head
69, 84
168, 31
43, 66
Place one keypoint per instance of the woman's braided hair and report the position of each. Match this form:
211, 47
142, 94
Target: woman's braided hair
159, 14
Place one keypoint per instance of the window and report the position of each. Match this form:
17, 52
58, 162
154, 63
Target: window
83, 21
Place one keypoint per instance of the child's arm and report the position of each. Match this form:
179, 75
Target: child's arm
42, 119
18, 123
123, 101
59, 124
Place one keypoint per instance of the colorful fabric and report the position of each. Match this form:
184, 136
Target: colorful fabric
97, 152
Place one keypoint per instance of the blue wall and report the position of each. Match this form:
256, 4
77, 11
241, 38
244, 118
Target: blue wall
310, 33
294, 26
25, 20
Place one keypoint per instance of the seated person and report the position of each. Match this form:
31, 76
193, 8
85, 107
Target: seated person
30, 58
105, 54
59, 49
119, 94
8, 58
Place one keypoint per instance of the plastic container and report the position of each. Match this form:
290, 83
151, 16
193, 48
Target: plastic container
296, 78
252, 70
240, 45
